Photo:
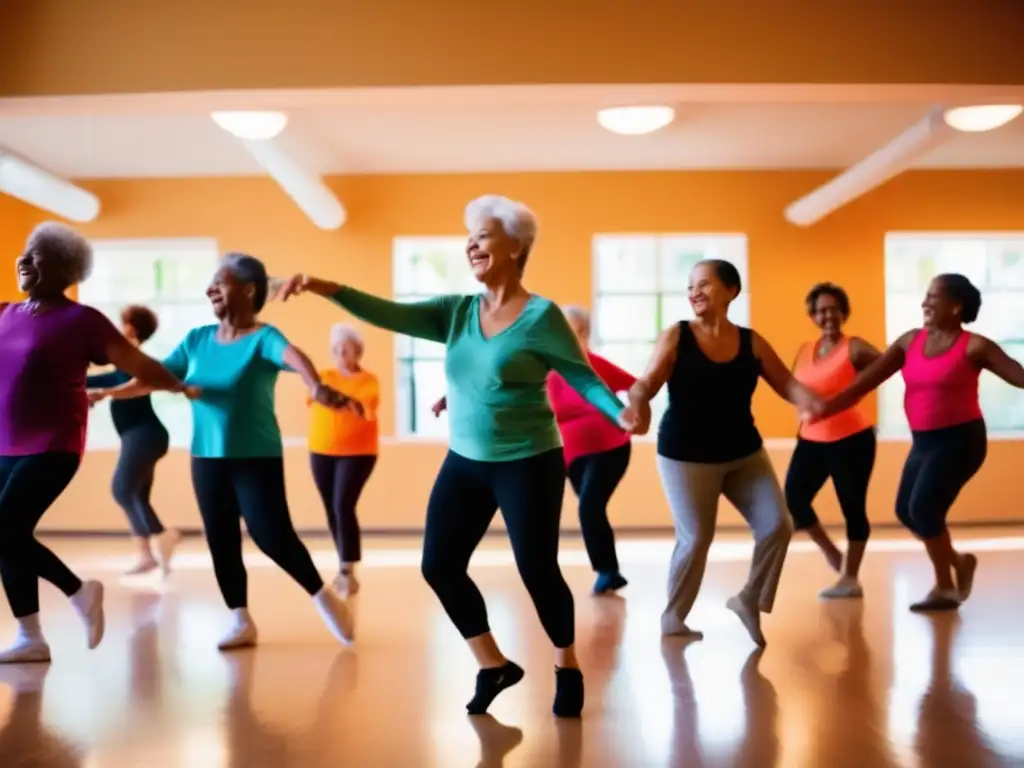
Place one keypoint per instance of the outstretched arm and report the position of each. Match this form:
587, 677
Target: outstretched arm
126, 357
779, 378
663, 359
989, 356
428, 319
872, 377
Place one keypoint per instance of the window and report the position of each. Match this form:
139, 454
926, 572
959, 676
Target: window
995, 264
641, 286
425, 267
168, 276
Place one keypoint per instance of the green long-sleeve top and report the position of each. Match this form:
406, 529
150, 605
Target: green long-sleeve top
497, 399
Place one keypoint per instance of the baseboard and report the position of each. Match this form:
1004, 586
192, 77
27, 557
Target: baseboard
622, 531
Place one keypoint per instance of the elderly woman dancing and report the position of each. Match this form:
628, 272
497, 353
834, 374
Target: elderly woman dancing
47, 343
237, 456
505, 449
343, 446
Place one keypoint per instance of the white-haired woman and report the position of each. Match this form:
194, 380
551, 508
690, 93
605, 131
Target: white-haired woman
343, 445
505, 450
47, 343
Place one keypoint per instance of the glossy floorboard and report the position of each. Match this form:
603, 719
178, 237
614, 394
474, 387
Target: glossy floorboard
856, 684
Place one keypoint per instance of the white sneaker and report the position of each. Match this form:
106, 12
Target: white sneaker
242, 633
88, 602
846, 587
335, 614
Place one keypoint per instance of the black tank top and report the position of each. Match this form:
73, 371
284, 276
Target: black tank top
709, 419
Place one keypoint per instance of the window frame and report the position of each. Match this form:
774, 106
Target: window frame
152, 247
887, 431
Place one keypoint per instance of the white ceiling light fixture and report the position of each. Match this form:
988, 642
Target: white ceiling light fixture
635, 121
306, 189
986, 117
28, 182
251, 125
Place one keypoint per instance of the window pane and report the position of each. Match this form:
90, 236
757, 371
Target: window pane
1002, 404
420, 385
632, 358
1006, 265
622, 318
175, 412
432, 266
675, 309
902, 313
1002, 315
183, 278
678, 255
626, 264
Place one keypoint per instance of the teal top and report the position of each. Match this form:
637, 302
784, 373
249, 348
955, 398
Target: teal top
497, 397
234, 415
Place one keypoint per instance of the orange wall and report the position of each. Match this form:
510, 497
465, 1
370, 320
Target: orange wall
65, 47
16, 220
253, 214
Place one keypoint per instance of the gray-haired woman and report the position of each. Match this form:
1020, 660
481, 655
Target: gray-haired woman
505, 448
237, 455
47, 343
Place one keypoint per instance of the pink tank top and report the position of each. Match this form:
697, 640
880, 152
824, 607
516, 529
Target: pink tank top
941, 391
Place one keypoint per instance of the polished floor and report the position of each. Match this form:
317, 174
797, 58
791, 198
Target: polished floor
858, 684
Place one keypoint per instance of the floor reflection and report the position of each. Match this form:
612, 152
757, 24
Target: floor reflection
843, 684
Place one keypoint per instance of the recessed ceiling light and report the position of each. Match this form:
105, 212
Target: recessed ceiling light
635, 120
981, 118
251, 126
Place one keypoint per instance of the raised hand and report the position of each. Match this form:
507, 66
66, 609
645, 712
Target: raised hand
283, 288
439, 407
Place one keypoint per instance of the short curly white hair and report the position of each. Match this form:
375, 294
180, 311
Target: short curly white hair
516, 219
67, 246
340, 333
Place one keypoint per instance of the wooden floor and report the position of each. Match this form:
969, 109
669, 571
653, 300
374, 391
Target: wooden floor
858, 684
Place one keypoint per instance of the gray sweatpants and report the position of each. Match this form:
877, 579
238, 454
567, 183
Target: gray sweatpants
693, 491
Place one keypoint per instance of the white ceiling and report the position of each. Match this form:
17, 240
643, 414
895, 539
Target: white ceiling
467, 135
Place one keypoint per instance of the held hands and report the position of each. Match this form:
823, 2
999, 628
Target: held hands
814, 409
191, 392
635, 418
283, 288
96, 396
439, 407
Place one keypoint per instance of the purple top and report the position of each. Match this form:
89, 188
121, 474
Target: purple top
43, 360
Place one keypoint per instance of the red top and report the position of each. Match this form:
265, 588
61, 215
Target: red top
942, 391
585, 430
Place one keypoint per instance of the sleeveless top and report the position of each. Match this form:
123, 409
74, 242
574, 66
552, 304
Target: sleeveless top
941, 391
709, 418
827, 376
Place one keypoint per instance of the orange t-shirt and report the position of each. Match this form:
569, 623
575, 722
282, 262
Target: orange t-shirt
828, 376
343, 432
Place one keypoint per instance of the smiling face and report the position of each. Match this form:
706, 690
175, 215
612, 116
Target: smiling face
828, 315
491, 252
39, 272
347, 354
939, 308
227, 294
708, 294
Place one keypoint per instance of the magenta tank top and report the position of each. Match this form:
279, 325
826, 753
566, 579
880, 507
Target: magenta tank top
941, 391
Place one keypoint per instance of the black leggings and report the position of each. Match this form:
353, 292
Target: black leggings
849, 463
939, 464
253, 489
340, 480
462, 504
594, 478
28, 486
141, 448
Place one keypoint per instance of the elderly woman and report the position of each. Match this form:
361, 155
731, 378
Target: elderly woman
343, 448
47, 343
144, 441
841, 447
237, 457
708, 445
505, 449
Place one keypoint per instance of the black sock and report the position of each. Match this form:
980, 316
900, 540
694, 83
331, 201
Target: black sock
492, 681
568, 692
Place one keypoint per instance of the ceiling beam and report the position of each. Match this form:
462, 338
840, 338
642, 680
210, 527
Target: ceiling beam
28, 182
304, 187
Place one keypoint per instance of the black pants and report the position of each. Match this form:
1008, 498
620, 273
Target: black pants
462, 504
141, 448
939, 464
253, 489
849, 462
594, 478
340, 480
28, 487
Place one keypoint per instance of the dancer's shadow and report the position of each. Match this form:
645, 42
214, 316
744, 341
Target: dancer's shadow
250, 742
604, 645
948, 733
496, 740
145, 668
686, 747
24, 739
761, 738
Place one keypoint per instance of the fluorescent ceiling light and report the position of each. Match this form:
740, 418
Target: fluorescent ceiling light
25, 181
635, 120
251, 126
306, 189
981, 118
